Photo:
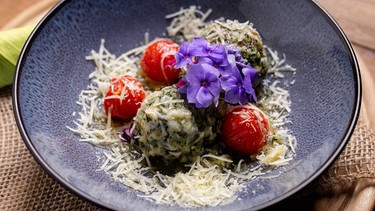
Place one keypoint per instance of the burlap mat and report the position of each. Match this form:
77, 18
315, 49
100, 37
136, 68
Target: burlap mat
24, 185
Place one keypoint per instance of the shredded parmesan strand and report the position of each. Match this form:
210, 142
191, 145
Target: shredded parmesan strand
189, 22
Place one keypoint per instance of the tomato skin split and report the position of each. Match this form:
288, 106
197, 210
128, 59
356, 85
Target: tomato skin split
158, 62
245, 129
124, 97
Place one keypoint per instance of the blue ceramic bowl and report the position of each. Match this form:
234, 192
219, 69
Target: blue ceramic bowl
52, 71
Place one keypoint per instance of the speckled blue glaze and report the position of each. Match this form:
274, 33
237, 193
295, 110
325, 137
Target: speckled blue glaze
52, 71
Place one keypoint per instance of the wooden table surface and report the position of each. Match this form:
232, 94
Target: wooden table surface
355, 17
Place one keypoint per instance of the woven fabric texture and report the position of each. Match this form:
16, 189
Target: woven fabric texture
356, 161
24, 185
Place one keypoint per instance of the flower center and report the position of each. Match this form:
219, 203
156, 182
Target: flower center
204, 83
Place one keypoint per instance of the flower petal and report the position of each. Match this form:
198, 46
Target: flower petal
194, 73
232, 50
214, 87
184, 85
242, 97
210, 69
216, 51
228, 81
226, 70
204, 97
237, 74
231, 78
253, 97
231, 60
205, 60
247, 85
182, 56
199, 46
252, 72
231, 96
192, 92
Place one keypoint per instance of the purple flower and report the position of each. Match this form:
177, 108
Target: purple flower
126, 135
237, 90
202, 85
187, 52
251, 76
205, 60
234, 52
182, 86
251, 95
201, 44
184, 55
219, 57
211, 68
217, 52
252, 72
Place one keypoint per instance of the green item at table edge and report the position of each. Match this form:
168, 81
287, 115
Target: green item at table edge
11, 44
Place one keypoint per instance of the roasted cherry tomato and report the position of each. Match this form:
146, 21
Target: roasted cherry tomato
158, 61
245, 129
124, 97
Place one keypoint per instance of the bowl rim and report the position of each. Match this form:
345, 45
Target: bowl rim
83, 195
20, 125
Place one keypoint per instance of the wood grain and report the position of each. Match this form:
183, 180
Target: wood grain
33, 14
356, 18
9, 9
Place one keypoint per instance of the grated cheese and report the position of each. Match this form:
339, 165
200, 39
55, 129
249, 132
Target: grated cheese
205, 183
190, 22
201, 186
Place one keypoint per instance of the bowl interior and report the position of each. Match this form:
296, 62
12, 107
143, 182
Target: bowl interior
52, 71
